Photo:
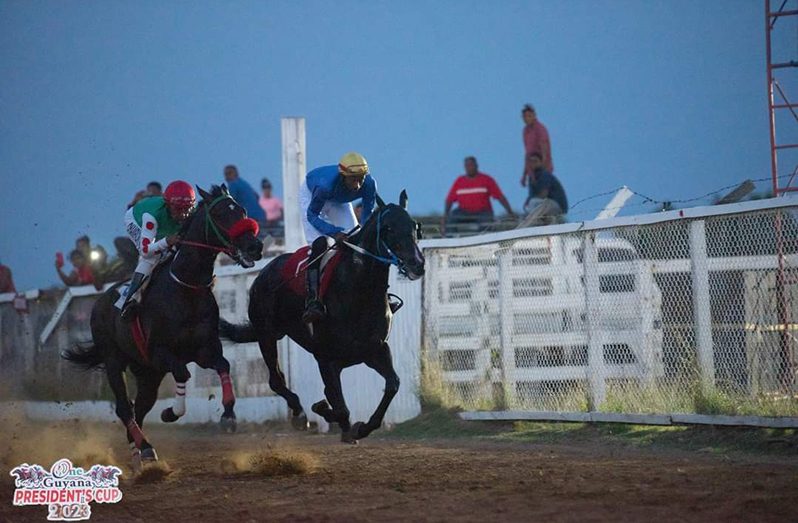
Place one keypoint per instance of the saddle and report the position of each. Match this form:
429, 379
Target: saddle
293, 272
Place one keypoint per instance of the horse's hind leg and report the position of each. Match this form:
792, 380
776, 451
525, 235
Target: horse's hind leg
147, 382
142, 449
268, 348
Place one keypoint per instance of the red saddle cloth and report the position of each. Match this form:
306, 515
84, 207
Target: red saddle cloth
140, 337
295, 269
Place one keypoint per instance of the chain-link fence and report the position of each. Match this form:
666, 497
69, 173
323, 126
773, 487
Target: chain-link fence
664, 314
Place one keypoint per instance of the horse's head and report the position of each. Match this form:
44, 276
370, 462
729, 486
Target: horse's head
225, 225
397, 235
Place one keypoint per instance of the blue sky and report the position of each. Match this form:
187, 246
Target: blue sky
100, 97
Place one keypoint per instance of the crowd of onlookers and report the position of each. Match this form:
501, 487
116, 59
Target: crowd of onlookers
468, 201
92, 266
472, 192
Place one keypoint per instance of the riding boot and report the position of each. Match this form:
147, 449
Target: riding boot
314, 308
131, 305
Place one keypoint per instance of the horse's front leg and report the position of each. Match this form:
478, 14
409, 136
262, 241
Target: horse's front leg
164, 362
213, 358
383, 364
228, 420
268, 348
336, 411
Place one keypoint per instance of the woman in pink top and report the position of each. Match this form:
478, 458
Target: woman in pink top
271, 205
536, 140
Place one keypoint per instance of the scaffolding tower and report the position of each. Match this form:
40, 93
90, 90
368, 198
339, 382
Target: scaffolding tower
785, 275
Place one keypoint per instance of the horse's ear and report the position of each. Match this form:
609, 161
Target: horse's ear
403, 199
380, 203
205, 195
224, 189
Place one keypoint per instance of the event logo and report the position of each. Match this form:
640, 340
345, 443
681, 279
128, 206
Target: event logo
66, 490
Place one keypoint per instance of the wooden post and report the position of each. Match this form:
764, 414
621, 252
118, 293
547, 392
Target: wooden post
294, 169
702, 317
506, 317
595, 337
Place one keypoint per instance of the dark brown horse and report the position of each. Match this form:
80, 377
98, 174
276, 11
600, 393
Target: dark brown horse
355, 329
179, 316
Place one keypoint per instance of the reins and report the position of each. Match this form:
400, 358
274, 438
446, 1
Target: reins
210, 224
392, 260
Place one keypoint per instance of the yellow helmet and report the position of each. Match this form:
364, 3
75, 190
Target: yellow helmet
353, 164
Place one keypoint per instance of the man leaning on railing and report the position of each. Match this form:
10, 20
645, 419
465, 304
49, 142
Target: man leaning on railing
472, 193
546, 203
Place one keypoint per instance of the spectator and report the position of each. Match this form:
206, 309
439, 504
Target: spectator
153, 189
536, 140
547, 200
96, 256
271, 205
120, 267
81, 273
6, 281
472, 192
244, 194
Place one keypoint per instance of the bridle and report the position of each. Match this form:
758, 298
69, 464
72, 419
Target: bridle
384, 253
211, 225
241, 226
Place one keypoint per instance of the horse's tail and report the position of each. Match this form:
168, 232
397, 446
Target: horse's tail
86, 356
243, 333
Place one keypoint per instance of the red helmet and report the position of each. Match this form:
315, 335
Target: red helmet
180, 199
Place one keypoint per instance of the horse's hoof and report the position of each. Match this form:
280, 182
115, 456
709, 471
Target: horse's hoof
348, 438
149, 454
358, 430
228, 424
320, 407
300, 422
168, 415
135, 463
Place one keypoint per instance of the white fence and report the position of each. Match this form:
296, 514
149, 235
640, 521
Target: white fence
672, 316
685, 312
31, 342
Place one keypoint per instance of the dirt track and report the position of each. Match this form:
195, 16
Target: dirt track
442, 480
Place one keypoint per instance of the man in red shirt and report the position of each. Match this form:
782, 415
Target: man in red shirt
80, 275
472, 192
6, 281
536, 140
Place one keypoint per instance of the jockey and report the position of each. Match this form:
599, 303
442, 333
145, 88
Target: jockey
326, 198
153, 224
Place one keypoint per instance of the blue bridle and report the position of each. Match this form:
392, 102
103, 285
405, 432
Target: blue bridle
392, 259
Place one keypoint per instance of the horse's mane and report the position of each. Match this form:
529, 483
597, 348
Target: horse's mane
357, 236
215, 192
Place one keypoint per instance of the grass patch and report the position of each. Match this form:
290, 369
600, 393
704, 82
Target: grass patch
712, 439
444, 423
440, 422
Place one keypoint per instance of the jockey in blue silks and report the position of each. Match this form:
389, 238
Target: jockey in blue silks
326, 198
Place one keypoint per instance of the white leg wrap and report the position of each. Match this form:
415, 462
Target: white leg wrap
179, 406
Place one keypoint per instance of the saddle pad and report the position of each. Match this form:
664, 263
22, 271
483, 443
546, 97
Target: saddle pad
295, 268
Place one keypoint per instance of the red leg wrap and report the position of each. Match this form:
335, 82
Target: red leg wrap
228, 396
135, 432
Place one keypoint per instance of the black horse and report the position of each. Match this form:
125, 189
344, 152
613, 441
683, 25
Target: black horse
179, 318
358, 318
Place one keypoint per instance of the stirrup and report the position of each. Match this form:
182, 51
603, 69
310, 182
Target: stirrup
395, 302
